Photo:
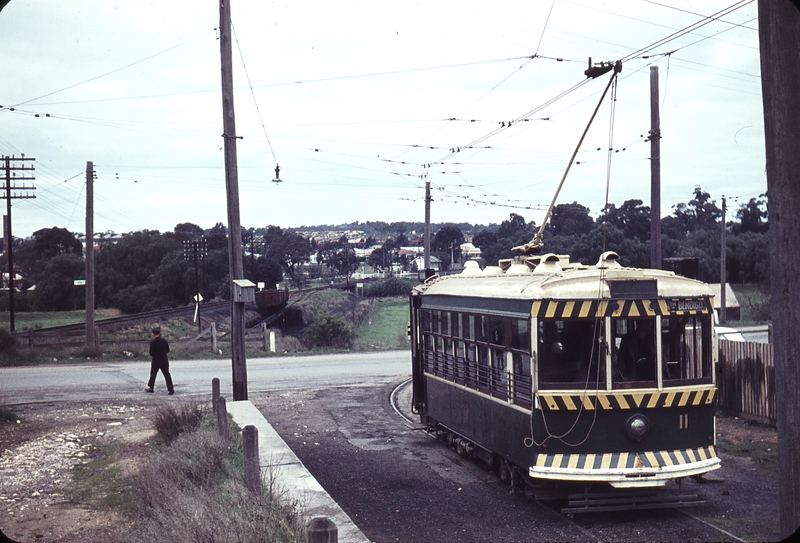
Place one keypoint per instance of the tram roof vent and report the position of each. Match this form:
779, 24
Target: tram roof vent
471, 269
549, 263
493, 270
518, 268
609, 260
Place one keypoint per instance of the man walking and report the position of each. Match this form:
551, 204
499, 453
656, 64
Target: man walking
158, 350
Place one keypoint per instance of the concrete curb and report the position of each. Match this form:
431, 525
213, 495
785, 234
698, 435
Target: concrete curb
277, 460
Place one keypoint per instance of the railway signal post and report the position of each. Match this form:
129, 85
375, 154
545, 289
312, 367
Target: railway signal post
10, 165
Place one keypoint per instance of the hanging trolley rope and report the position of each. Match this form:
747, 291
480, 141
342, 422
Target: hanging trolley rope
252, 92
535, 245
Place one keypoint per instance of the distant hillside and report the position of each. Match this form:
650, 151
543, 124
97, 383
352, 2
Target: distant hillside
379, 228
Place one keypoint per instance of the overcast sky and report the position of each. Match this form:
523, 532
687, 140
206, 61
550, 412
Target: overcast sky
358, 102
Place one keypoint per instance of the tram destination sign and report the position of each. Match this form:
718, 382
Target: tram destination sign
687, 305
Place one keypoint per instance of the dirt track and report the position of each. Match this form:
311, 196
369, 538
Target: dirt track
399, 484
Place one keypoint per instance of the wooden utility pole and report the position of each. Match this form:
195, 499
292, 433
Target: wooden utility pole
9, 167
235, 267
723, 274
427, 238
90, 337
779, 40
655, 172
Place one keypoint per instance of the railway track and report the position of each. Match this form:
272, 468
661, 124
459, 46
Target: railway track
399, 401
147, 317
136, 318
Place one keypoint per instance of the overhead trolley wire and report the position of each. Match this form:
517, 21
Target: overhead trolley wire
688, 29
252, 92
113, 71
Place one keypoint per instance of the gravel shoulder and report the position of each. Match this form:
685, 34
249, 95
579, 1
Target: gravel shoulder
39, 500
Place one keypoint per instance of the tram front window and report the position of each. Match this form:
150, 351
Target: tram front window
634, 357
568, 353
686, 350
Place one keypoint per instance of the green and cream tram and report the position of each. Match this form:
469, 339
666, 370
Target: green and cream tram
565, 372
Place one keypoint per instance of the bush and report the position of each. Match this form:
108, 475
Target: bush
392, 286
330, 331
191, 491
170, 422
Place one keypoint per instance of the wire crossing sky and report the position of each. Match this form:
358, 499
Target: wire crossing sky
359, 102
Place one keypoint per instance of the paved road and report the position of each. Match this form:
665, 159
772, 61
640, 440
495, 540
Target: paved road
759, 333
122, 380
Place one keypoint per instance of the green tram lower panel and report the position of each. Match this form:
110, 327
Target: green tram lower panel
510, 432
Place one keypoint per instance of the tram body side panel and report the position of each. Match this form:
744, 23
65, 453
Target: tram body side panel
487, 422
506, 430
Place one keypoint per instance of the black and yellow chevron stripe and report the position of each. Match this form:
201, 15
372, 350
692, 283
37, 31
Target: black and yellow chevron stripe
573, 401
588, 309
624, 460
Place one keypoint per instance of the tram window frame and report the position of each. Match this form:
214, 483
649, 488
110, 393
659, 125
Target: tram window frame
565, 361
475, 350
686, 361
635, 358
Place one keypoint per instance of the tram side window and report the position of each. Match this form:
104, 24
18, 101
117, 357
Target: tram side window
520, 334
634, 355
686, 350
570, 353
427, 318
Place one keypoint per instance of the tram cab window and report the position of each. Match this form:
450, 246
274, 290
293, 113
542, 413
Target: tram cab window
569, 352
686, 350
634, 356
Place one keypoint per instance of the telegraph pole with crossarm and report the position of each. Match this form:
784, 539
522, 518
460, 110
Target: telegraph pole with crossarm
14, 164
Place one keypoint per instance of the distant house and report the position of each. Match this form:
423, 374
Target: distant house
733, 310
469, 251
419, 263
411, 251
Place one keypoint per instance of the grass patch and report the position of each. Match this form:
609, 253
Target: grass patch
191, 491
100, 482
764, 454
187, 489
26, 320
754, 301
386, 327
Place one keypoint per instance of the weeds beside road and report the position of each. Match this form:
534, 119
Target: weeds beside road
141, 473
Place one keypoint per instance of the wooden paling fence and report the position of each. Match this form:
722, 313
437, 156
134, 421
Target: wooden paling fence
746, 380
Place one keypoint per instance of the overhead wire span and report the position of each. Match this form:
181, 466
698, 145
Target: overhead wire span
115, 70
258, 111
688, 29
514, 121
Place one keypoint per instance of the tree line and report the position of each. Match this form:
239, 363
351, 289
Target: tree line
150, 270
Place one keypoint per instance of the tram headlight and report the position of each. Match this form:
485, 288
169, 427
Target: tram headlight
637, 427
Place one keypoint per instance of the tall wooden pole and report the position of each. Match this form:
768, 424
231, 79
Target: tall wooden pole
723, 274
90, 337
655, 172
779, 40
8, 195
9, 249
235, 267
427, 237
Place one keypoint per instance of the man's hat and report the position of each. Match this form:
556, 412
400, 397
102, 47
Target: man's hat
156, 330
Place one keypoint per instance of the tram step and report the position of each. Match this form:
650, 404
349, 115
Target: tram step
614, 501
